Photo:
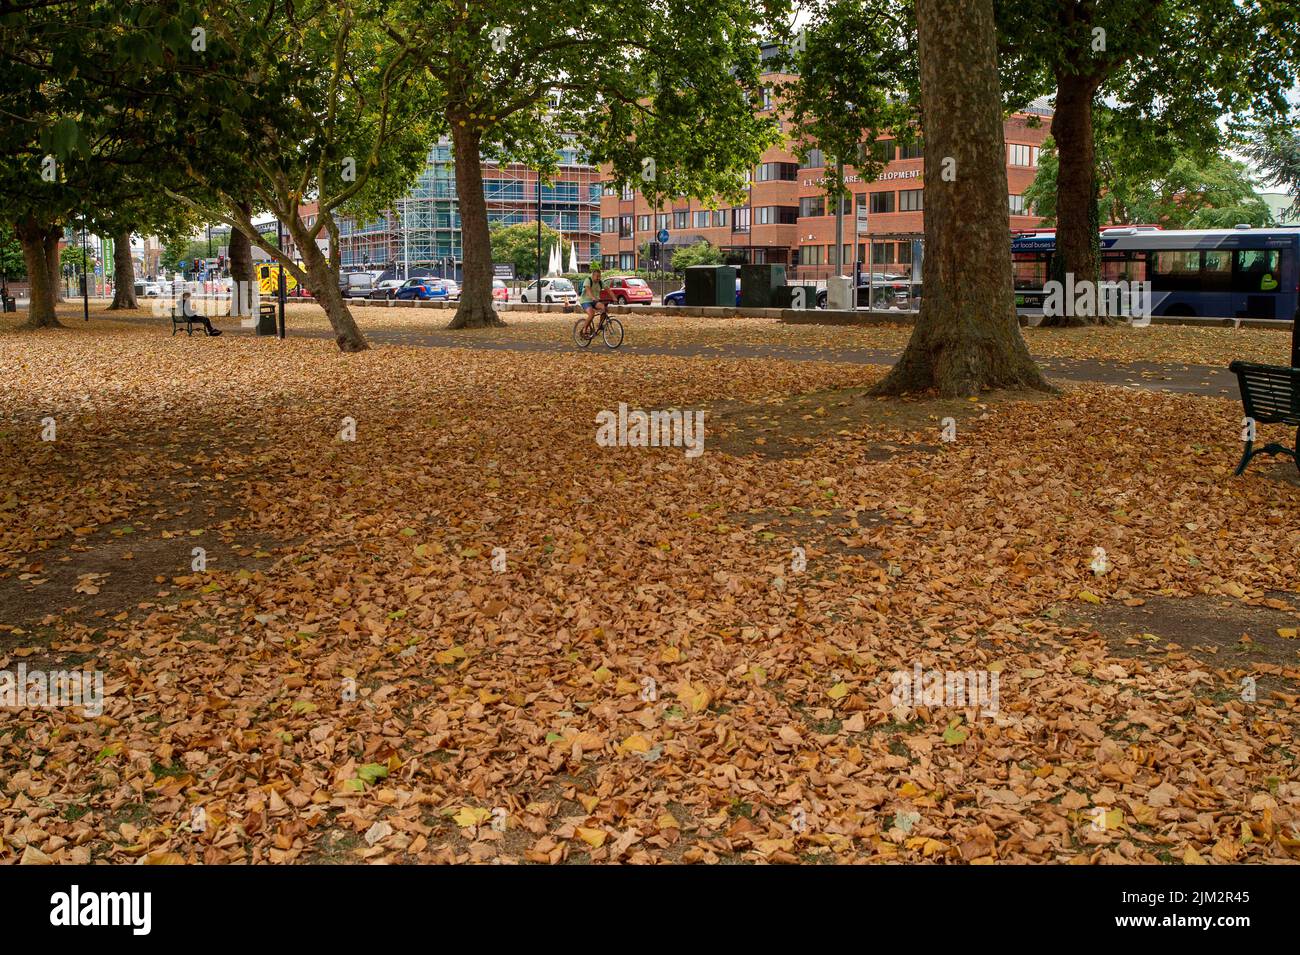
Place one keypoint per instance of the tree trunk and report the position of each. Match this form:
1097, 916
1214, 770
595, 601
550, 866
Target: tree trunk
51, 243
967, 336
1078, 245
476, 307
324, 284
241, 264
123, 272
34, 238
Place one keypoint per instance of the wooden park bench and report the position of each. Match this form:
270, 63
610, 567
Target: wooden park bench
1270, 394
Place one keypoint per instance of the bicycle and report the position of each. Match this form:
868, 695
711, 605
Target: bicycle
609, 329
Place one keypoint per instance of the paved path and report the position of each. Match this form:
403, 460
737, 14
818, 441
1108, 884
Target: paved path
1151, 376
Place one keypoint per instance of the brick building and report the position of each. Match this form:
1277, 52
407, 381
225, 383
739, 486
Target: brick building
787, 218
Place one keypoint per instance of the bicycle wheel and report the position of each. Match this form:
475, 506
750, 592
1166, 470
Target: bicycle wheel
579, 339
612, 333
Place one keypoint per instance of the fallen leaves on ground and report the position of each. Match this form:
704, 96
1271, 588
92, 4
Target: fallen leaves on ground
632, 686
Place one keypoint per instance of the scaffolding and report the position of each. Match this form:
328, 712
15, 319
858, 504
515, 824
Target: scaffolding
422, 233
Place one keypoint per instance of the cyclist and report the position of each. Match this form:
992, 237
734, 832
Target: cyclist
588, 296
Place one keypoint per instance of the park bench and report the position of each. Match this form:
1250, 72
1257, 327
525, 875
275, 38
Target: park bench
1270, 394
179, 318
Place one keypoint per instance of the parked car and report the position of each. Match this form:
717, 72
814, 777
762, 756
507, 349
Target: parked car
554, 291
624, 291
678, 298
386, 288
422, 288
500, 292
889, 291
148, 289
453, 289
357, 284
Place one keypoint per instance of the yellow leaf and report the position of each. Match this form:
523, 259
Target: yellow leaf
670, 655
838, 691
1192, 857
1288, 633
487, 696
667, 821
592, 837
469, 816
1089, 597
635, 744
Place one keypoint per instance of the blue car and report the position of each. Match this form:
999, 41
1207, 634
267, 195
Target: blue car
678, 298
424, 289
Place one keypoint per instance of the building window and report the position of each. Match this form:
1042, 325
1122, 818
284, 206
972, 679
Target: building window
778, 171
661, 220
642, 223
914, 150
881, 253
625, 260
767, 97
609, 190
624, 227
701, 218
812, 206
681, 220
739, 219
1022, 155
910, 200
777, 215
904, 253
609, 224
1017, 204
721, 218
812, 255
628, 193
814, 160
882, 150
882, 202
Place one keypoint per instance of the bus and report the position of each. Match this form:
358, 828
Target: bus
1214, 273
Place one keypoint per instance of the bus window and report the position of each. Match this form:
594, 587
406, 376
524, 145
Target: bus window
266, 272
1030, 270
1217, 276
1257, 270
1175, 270
1124, 267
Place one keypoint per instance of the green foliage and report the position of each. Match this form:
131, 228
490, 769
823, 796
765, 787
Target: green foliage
855, 80
11, 255
518, 244
182, 250
1275, 148
701, 253
1178, 190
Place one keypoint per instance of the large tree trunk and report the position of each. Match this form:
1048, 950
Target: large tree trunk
123, 272
55, 267
33, 236
967, 336
476, 307
241, 266
1078, 246
324, 284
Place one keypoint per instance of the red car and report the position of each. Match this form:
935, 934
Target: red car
627, 291
499, 291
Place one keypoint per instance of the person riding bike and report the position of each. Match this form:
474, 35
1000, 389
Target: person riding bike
588, 296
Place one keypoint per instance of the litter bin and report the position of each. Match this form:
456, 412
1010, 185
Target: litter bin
266, 318
7, 302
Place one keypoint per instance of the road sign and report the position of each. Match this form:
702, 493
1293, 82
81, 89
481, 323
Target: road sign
662, 236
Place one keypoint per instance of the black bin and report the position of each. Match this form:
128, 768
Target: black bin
784, 297
758, 283
711, 286
266, 318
